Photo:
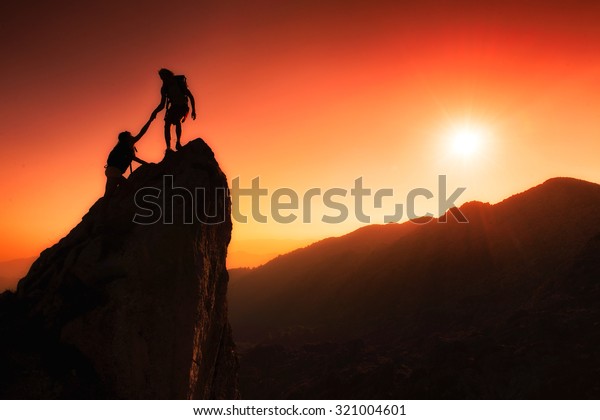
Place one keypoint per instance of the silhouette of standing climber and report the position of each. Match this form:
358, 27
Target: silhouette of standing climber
174, 95
120, 158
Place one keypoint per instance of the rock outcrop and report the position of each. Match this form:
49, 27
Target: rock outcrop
132, 302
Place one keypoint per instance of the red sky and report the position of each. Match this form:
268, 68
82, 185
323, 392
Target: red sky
301, 93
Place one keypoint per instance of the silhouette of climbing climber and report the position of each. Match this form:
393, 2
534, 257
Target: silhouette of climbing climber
174, 95
120, 158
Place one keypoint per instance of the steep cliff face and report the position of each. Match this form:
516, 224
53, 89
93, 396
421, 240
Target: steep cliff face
132, 302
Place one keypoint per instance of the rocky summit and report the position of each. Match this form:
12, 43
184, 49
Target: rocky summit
132, 302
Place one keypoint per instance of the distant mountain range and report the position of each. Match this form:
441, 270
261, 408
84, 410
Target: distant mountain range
12, 271
505, 306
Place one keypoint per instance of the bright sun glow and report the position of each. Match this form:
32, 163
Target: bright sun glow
466, 140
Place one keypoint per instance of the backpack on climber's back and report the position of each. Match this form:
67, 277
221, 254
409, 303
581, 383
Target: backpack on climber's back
176, 90
121, 156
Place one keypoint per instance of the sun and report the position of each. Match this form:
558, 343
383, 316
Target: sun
466, 140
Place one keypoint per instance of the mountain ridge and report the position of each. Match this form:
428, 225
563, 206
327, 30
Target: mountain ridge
467, 206
464, 285
11, 271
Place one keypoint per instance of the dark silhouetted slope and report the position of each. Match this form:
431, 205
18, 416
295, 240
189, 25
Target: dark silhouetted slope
124, 310
501, 307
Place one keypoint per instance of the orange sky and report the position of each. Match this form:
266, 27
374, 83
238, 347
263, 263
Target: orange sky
302, 93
